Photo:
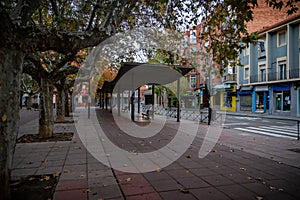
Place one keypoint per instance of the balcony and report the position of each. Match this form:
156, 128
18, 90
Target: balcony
276, 76
229, 77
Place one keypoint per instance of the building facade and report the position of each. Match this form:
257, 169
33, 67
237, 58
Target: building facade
269, 80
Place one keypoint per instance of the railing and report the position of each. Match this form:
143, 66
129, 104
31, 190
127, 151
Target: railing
294, 73
276, 76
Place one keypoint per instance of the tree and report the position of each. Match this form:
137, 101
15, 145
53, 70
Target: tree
28, 86
28, 26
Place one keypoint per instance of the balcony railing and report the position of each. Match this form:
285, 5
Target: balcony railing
294, 73
229, 77
276, 76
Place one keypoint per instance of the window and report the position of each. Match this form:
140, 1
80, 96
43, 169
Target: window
192, 81
184, 42
193, 37
247, 51
247, 73
282, 70
281, 38
261, 49
262, 73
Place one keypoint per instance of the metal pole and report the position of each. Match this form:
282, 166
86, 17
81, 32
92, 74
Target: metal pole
88, 100
178, 98
298, 122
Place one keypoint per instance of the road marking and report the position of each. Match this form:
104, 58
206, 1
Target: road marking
266, 132
232, 124
272, 131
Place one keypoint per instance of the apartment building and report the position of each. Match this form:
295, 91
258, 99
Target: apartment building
269, 80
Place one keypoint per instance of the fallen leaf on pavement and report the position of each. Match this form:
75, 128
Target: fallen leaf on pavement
188, 156
183, 190
47, 187
259, 198
40, 168
272, 188
56, 174
242, 168
128, 179
66, 171
158, 170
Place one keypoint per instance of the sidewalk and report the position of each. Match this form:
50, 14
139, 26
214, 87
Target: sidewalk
240, 166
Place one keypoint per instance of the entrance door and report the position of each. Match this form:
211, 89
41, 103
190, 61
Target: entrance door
278, 100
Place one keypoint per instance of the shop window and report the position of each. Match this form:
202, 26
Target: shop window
260, 101
286, 101
283, 101
227, 101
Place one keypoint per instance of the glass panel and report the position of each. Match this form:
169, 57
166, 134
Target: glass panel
279, 101
286, 101
259, 101
281, 40
282, 70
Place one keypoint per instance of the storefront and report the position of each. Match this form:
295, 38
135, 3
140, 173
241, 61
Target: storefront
245, 98
282, 98
227, 94
260, 99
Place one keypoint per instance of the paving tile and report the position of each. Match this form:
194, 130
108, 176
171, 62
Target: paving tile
217, 180
239, 178
204, 172
106, 192
257, 187
237, 192
23, 172
136, 189
149, 196
71, 185
192, 182
210, 193
176, 173
101, 181
165, 185
70, 194
48, 170
154, 176
171, 195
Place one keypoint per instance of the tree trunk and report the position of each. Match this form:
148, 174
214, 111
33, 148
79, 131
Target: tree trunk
60, 111
67, 105
10, 74
46, 120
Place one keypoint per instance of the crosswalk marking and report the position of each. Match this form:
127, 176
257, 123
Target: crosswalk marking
275, 131
286, 127
280, 128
